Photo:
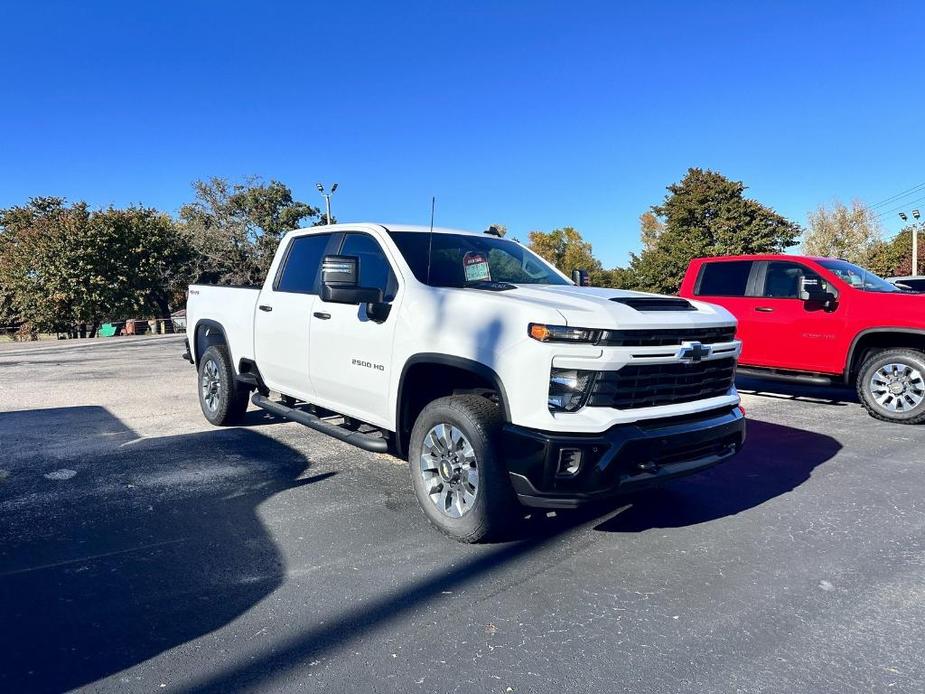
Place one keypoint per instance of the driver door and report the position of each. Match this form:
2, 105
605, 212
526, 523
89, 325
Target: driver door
797, 334
351, 354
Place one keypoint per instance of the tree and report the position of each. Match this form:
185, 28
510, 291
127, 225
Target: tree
706, 214
64, 266
842, 232
235, 228
893, 258
650, 228
566, 249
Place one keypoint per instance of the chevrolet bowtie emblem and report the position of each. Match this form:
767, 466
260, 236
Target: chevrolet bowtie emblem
693, 352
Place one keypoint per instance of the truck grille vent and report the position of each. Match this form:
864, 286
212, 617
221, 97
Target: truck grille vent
665, 338
655, 303
651, 385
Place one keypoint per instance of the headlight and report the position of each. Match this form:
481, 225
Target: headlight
568, 389
561, 333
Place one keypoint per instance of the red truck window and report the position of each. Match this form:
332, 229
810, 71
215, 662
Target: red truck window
724, 278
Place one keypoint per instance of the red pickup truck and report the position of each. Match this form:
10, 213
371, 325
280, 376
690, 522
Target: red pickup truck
822, 321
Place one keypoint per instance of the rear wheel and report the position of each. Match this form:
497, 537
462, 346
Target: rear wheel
222, 399
457, 476
891, 385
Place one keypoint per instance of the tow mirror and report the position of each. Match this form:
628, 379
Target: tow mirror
339, 277
581, 278
813, 290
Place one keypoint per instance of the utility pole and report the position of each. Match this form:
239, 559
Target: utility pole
327, 199
915, 239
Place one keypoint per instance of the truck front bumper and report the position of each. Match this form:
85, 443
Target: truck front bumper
622, 459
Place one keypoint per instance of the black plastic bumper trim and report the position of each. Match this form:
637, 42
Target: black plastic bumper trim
622, 459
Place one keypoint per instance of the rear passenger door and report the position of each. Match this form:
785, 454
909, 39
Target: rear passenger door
283, 316
731, 284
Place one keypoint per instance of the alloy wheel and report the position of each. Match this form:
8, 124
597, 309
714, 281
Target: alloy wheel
210, 385
898, 387
449, 469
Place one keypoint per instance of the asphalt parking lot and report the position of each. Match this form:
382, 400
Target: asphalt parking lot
143, 550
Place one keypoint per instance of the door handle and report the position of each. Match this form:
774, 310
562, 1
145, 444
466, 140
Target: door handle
764, 309
264, 307
322, 316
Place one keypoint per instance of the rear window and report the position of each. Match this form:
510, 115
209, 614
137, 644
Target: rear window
724, 279
302, 264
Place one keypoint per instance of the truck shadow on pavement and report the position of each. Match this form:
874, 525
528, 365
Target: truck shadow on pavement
780, 459
776, 460
132, 546
156, 542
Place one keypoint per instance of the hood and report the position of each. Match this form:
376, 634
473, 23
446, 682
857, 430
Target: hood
597, 307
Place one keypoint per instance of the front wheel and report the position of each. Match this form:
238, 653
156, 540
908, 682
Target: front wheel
458, 479
891, 385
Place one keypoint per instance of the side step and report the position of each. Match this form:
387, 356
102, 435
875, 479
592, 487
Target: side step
786, 377
375, 444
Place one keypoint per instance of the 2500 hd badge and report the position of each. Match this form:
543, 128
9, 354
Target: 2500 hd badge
367, 364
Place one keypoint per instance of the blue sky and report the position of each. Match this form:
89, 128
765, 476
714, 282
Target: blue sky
533, 114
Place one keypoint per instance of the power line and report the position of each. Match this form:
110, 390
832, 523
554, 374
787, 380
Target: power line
901, 207
892, 198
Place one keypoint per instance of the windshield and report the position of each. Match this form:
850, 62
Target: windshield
461, 260
858, 277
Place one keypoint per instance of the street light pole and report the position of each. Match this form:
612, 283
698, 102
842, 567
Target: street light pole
915, 238
327, 199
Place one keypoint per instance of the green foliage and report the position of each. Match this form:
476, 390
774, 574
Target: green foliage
842, 232
893, 258
235, 228
64, 265
706, 214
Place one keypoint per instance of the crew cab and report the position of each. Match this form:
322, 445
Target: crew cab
501, 382
822, 321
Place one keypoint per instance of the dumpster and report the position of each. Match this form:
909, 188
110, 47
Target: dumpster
108, 330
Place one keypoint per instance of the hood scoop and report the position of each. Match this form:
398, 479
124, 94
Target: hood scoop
655, 303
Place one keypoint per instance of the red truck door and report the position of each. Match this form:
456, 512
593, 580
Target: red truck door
792, 333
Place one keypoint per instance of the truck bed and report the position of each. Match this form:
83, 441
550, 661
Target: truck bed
232, 308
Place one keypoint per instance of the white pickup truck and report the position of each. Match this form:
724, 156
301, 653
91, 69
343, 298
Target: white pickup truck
502, 382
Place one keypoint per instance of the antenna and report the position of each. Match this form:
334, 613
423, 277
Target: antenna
430, 238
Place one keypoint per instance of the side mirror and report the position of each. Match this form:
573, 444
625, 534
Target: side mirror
581, 278
339, 276
812, 290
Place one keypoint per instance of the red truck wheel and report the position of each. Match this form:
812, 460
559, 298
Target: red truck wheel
891, 385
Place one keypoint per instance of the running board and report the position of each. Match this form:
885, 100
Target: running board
786, 377
376, 444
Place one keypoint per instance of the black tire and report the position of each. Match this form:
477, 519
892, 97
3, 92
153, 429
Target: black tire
911, 359
493, 510
230, 397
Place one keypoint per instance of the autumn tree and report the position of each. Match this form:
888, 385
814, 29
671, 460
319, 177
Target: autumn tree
650, 228
235, 228
706, 214
566, 249
851, 233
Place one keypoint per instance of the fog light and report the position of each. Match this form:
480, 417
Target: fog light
569, 462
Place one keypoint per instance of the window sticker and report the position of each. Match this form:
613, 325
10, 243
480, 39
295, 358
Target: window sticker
476, 267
